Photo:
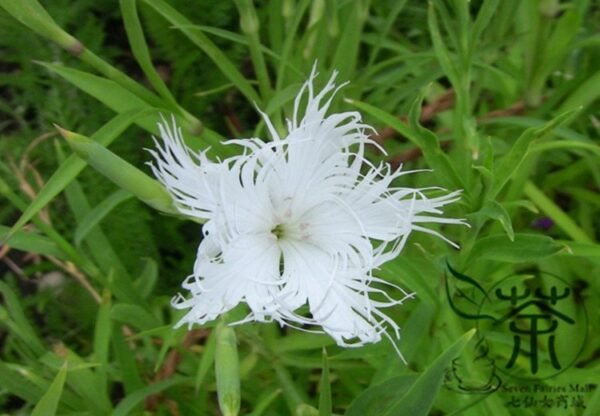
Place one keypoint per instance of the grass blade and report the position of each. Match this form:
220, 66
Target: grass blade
208, 47
100, 211
31, 242
325, 388
69, 169
139, 47
509, 164
129, 403
208, 358
562, 220
48, 404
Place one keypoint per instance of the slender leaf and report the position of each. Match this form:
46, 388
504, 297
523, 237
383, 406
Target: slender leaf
139, 47
580, 249
129, 403
325, 388
69, 169
100, 211
208, 47
31, 242
509, 164
207, 359
148, 278
102, 334
108, 92
26, 332
562, 219
523, 248
48, 404
408, 394
134, 315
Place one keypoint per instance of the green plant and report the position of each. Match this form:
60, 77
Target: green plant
498, 98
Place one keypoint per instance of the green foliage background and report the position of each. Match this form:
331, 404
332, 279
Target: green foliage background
499, 98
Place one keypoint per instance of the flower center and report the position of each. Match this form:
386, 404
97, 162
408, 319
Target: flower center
291, 232
278, 231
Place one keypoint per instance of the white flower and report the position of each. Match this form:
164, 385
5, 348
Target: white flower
300, 220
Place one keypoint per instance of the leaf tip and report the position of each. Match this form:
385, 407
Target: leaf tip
63, 132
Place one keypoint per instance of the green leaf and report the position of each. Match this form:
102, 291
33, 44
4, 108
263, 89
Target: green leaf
593, 404
509, 164
250, 25
109, 93
557, 46
13, 379
114, 275
139, 47
301, 341
263, 403
30, 242
70, 168
444, 168
128, 404
148, 278
34, 16
169, 338
282, 97
102, 335
388, 119
584, 95
493, 210
484, 17
76, 257
100, 211
208, 47
580, 249
566, 145
424, 139
325, 388
293, 14
48, 404
561, 218
134, 315
120, 99
347, 45
390, 19
82, 380
419, 399
127, 369
524, 248
22, 328
441, 51
207, 359
375, 400
408, 394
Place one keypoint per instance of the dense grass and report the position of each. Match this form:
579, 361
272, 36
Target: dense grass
499, 98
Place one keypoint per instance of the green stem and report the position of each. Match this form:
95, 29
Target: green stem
250, 26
